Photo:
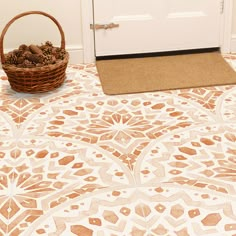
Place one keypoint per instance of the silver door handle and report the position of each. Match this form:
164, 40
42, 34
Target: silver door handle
103, 26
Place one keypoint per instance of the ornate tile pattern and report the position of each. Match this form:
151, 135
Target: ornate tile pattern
77, 162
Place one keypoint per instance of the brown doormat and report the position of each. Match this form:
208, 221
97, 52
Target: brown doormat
122, 76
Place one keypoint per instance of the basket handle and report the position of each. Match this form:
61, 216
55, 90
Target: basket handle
24, 14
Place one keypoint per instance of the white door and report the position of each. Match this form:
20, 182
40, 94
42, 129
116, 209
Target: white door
142, 26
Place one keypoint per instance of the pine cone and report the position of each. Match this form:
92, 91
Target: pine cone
49, 59
35, 49
35, 58
17, 52
26, 54
54, 51
23, 48
20, 60
11, 58
47, 51
48, 43
60, 53
27, 64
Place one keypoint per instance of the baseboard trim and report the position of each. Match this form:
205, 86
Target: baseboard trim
233, 43
76, 53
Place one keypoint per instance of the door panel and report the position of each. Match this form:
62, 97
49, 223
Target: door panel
156, 25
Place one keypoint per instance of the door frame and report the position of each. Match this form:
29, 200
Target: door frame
89, 40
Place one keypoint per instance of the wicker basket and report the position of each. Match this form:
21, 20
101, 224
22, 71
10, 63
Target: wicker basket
36, 79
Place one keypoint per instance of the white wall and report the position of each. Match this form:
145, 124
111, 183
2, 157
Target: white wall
234, 18
37, 28
233, 41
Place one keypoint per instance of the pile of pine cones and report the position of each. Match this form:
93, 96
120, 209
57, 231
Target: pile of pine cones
35, 56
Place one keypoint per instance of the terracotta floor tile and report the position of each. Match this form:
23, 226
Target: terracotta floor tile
74, 161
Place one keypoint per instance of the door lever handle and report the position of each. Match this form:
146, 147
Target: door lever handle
103, 26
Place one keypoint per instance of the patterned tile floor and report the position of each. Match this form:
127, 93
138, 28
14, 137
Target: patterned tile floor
77, 162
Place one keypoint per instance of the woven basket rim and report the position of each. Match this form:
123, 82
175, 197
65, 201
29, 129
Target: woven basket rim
36, 69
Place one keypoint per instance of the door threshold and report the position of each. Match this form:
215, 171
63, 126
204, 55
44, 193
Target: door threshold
159, 54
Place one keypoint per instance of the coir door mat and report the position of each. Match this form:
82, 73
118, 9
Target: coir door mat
122, 76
